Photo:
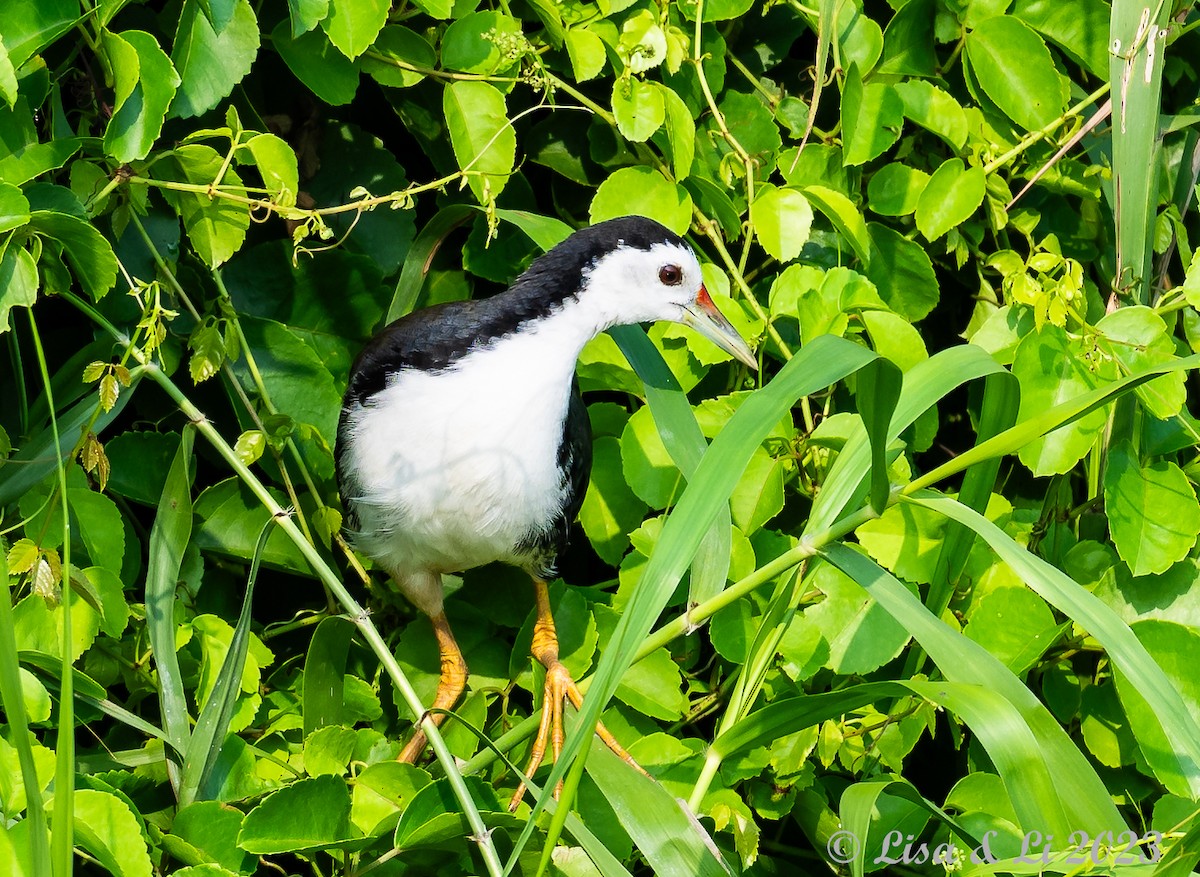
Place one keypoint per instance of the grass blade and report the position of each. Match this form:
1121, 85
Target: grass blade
18, 725
676, 423
168, 539
818, 365
1075, 795
924, 384
879, 385
204, 746
1123, 647
416, 263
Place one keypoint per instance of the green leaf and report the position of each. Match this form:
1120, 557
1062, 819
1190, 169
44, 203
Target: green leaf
328, 750
908, 41
1015, 69
317, 63
211, 828
1015, 625
1137, 338
232, 516
752, 124
642, 44
396, 46
484, 142
8, 78
306, 815
211, 64
648, 467
18, 282
877, 391
324, 673
950, 196
872, 116
643, 191
862, 635
902, 273
895, 189
107, 828
306, 14
277, 163
100, 527
681, 133
29, 26
840, 211
14, 207
472, 44
352, 25
381, 792
610, 509
216, 227
1080, 30
934, 110
1051, 369
36, 159
1152, 511
146, 85
90, 254
638, 107
782, 218
586, 51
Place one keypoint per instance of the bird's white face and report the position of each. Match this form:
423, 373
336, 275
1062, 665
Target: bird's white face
632, 285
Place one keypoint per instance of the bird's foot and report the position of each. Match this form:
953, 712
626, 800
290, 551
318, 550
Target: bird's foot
560, 687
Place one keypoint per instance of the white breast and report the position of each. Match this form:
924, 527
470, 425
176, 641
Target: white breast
455, 468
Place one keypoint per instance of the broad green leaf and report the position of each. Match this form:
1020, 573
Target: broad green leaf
610, 509
484, 141
1051, 369
934, 110
642, 44
212, 828
18, 282
681, 133
473, 43
100, 526
862, 636
586, 51
643, 191
393, 51
1136, 338
146, 85
908, 41
89, 253
216, 227
950, 196
14, 207
317, 63
306, 14
109, 830
902, 273
752, 124
308, 814
231, 518
277, 163
895, 339
33, 160
381, 792
639, 108
872, 116
782, 219
352, 25
328, 750
716, 10
877, 391
1152, 511
1015, 69
758, 496
895, 189
211, 64
648, 468
840, 211
433, 816
1080, 29
29, 26
324, 673
8, 78
1015, 625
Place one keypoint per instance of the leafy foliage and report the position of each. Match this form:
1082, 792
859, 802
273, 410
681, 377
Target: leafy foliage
916, 588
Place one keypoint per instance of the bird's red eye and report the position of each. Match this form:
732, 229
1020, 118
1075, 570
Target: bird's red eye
670, 275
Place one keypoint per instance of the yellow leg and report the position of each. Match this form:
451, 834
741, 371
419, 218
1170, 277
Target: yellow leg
559, 687
451, 683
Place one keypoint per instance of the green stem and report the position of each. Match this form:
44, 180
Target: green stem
356, 613
1034, 136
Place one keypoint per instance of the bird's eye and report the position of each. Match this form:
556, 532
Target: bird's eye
670, 275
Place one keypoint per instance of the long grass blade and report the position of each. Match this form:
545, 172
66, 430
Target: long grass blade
420, 256
1086, 609
18, 729
168, 539
1075, 795
676, 423
879, 385
817, 366
204, 746
924, 384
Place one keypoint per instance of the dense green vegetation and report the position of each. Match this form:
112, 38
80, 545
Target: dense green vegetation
933, 581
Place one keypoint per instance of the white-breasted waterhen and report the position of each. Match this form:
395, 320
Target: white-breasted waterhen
463, 439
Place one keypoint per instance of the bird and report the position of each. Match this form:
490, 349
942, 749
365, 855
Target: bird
463, 438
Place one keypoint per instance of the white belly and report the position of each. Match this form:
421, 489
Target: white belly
455, 469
